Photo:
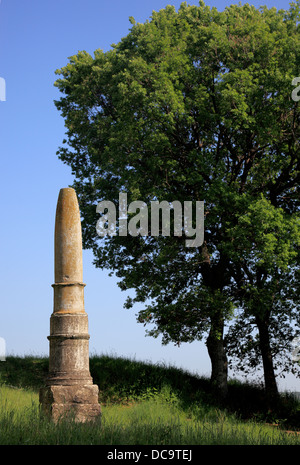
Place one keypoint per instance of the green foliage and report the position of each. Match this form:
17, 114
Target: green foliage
24, 372
160, 414
122, 380
266, 236
195, 104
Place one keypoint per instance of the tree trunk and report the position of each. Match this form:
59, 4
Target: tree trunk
219, 365
269, 374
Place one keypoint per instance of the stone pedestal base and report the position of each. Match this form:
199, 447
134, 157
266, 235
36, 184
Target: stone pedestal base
76, 402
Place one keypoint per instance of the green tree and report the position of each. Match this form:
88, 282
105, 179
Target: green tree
265, 244
191, 105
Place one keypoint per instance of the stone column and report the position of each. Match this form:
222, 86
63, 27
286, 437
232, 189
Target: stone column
69, 387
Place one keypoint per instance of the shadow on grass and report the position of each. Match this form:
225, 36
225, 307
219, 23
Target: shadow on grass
121, 380
27, 372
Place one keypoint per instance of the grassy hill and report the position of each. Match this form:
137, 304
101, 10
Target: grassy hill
144, 404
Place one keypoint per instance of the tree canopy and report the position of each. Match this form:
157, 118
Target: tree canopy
195, 104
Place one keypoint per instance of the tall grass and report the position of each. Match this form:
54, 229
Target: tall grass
164, 406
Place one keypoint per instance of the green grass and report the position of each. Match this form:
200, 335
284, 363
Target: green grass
143, 404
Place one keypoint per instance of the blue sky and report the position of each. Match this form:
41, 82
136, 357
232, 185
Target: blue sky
36, 38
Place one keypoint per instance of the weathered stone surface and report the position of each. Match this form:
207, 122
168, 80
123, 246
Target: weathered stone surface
69, 387
67, 394
79, 402
69, 349
68, 239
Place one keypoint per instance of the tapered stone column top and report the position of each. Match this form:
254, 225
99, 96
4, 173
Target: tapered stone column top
69, 387
68, 238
